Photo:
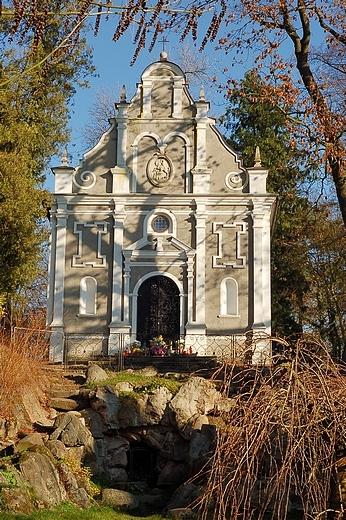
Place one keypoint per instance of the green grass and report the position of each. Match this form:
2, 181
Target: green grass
69, 512
141, 384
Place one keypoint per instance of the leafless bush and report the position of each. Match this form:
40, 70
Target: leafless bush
21, 359
278, 447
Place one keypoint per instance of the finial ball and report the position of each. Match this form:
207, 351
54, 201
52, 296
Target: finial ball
163, 56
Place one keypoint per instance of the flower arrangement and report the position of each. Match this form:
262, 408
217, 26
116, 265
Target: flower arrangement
136, 348
157, 346
157, 350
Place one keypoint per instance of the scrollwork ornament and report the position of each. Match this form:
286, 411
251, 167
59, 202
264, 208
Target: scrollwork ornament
236, 180
86, 179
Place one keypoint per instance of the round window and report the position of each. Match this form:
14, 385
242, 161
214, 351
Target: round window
160, 224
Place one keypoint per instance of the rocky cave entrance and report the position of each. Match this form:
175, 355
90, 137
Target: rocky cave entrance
141, 464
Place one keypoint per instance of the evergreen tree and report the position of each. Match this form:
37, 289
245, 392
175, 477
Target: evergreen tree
252, 122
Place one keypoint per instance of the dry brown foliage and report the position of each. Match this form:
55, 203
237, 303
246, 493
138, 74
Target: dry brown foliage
21, 358
278, 448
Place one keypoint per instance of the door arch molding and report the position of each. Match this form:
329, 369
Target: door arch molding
134, 298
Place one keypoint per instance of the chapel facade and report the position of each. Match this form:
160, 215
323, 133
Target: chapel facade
160, 231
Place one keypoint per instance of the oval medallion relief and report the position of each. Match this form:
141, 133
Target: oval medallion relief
159, 170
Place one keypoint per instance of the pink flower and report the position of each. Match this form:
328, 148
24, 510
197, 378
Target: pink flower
157, 350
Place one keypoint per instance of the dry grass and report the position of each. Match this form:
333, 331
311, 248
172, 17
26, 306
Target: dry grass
279, 446
21, 358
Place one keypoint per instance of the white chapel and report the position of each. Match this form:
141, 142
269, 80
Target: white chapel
160, 231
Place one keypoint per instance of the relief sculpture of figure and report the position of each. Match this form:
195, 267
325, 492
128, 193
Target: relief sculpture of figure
159, 170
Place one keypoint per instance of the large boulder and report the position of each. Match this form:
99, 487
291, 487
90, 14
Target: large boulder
116, 452
197, 397
64, 404
14, 495
8, 432
105, 401
33, 439
156, 404
71, 431
40, 473
132, 411
57, 448
124, 386
174, 447
184, 496
146, 409
118, 498
117, 475
149, 371
94, 423
95, 374
34, 409
172, 474
153, 438
201, 445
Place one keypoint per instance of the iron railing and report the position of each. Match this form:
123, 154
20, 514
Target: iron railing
246, 348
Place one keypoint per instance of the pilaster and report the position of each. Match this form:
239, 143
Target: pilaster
119, 318
201, 173
261, 281
51, 269
146, 100
177, 112
56, 350
127, 275
117, 272
190, 277
197, 324
121, 175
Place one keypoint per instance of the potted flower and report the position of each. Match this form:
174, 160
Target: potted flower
136, 348
157, 346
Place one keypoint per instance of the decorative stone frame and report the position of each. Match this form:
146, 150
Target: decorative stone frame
99, 255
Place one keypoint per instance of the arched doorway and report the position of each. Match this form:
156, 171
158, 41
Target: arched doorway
158, 310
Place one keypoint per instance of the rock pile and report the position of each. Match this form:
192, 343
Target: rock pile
155, 439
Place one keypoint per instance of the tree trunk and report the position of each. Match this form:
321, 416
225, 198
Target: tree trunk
339, 177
